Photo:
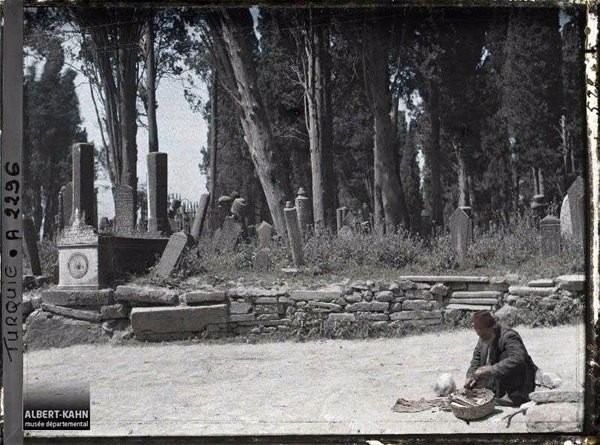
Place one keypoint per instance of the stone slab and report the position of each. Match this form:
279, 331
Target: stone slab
445, 278
114, 311
463, 295
175, 322
415, 315
314, 295
477, 287
556, 396
542, 282
249, 292
575, 283
76, 314
135, 295
61, 297
385, 295
410, 305
483, 301
323, 305
524, 291
45, 330
341, 318
439, 290
241, 317
468, 307
555, 417
236, 307
368, 306
199, 297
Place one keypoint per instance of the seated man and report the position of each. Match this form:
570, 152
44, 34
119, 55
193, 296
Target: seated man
500, 361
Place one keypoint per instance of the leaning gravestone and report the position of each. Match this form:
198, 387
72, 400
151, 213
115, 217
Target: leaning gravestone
229, 235
566, 225
550, 236
124, 209
577, 208
171, 254
31, 245
462, 233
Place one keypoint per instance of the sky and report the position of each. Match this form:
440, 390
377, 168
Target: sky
181, 135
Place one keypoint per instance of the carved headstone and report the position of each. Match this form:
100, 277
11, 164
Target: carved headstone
124, 209
303, 209
461, 231
200, 216
577, 208
265, 234
171, 255
294, 234
550, 236
157, 192
84, 198
30, 237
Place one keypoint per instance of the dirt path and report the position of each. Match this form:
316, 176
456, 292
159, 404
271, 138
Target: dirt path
327, 387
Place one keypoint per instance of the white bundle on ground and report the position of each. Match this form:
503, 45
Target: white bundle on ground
445, 385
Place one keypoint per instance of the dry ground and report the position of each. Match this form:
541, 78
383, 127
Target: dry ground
325, 387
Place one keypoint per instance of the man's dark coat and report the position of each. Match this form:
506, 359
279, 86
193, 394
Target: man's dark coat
513, 371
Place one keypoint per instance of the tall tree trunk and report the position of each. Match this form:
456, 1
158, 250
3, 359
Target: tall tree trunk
151, 87
258, 134
386, 163
319, 119
127, 103
214, 138
437, 205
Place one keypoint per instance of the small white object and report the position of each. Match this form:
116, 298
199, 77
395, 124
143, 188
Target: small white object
444, 385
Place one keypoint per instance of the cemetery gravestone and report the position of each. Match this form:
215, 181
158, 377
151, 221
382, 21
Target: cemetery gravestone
294, 234
577, 209
84, 198
461, 232
265, 234
31, 245
124, 209
303, 210
566, 225
550, 236
200, 216
341, 214
171, 255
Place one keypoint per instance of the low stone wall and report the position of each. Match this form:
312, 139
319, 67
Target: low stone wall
343, 310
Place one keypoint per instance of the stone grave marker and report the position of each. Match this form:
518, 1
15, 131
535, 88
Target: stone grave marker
262, 259
265, 234
303, 210
566, 225
31, 245
228, 237
294, 234
550, 236
124, 209
461, 231
341, 214
200, 217
577, 208
171, 255
84, 197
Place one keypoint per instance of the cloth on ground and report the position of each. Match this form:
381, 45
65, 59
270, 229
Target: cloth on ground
414, 406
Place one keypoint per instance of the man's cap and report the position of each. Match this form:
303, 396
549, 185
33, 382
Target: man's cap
483, 319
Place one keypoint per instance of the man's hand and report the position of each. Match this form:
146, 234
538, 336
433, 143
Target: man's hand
482, 372
470, 383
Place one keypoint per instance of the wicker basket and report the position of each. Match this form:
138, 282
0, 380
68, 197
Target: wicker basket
485, 404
